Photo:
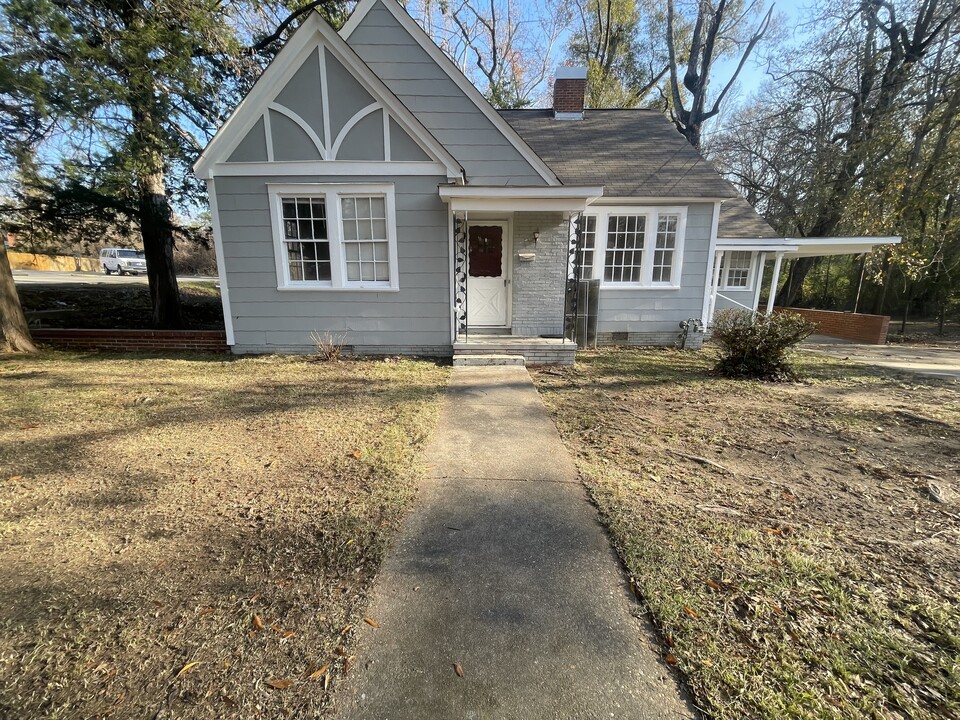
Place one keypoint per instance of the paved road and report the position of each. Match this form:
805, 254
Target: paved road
940, 362
504, 573
50, 277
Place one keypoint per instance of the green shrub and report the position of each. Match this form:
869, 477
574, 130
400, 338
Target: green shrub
758, 346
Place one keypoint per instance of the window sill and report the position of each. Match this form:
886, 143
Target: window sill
330, 288
637, 287
723, 288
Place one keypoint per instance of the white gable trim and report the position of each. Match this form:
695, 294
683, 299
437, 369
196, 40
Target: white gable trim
454, 73
348, 126
314, 31
276, 107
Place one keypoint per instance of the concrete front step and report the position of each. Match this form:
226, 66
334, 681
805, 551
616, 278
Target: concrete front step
461, 360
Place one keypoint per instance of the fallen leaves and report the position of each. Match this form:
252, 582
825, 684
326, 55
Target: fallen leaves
319, 672
690, 612
257, 622
279, 683
458, 670
186, 668
371, 622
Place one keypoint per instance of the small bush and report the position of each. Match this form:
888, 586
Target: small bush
757, 346
329, 346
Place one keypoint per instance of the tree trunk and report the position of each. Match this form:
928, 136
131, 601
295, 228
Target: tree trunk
155, 229
799, 269
14, 331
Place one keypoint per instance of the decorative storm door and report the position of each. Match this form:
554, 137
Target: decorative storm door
487, 281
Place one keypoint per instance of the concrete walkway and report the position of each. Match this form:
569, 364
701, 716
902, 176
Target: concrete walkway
930, 361
504, 570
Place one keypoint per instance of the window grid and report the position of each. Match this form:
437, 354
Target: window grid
625, 241
366, 249
588, 246
737, 272
665, 248
306, 239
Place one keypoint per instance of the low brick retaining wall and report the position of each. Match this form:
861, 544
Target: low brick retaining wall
848, 326
133, 340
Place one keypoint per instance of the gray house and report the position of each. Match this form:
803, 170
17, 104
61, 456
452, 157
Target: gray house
365, 190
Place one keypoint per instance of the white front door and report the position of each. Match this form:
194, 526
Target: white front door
487, 274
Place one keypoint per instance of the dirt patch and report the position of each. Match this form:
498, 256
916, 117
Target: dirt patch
797, 544
115, 306
194, 538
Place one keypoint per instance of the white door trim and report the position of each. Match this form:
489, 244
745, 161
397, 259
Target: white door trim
507, 225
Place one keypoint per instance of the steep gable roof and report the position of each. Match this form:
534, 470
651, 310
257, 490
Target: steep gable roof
632, 153
434, 88
253, 115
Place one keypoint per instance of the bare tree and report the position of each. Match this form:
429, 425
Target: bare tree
714, 31
507, 47
620, 43
887, 53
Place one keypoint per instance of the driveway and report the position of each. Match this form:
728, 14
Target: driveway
939, 362
52, 277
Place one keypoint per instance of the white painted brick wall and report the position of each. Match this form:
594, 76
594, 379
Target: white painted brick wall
539, 285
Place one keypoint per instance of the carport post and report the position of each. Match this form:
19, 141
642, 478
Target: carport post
761, 262
717, 259
774, 281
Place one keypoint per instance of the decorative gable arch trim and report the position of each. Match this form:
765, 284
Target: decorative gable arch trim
283, 110
348, 126
260, 100
454, 73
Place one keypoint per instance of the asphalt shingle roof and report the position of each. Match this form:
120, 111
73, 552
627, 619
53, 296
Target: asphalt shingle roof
632, 153
739, 220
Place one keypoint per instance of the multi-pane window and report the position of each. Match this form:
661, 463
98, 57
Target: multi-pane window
588, 245
340, 237
365, 244
306, 239
665, 248
625, 240
735, 268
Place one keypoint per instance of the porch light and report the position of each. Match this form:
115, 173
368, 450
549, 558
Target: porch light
536, 235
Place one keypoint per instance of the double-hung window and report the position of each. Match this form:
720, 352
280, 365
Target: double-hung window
340, 237
735, 266
639, 247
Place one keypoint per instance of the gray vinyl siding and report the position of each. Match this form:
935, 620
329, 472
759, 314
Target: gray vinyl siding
487, 157
658, 313
268, 320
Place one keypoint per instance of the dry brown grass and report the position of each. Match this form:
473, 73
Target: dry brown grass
806, 573
178, 533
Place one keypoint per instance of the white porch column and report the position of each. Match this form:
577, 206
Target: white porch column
761, 261
718, 258
774, 281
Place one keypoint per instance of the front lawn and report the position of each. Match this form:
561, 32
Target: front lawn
108, 306
194, 538
785, 538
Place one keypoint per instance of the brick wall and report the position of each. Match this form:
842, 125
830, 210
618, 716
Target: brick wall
568, 95
848, 326
133, 340
539, 285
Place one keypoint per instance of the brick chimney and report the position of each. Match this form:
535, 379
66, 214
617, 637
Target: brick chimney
569, 88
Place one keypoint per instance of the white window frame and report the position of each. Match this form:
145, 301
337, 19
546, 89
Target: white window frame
725, 272
331, 194
652, 214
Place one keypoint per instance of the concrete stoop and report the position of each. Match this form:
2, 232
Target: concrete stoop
486, 360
